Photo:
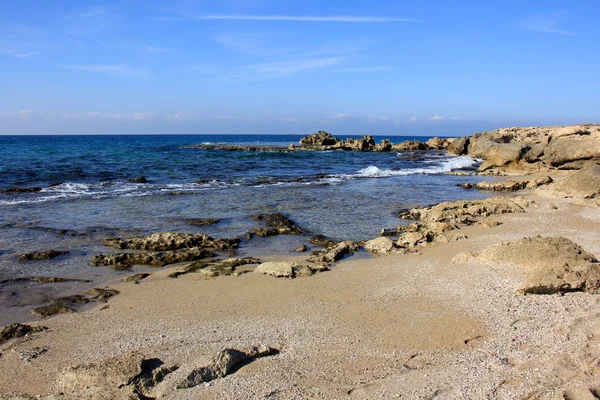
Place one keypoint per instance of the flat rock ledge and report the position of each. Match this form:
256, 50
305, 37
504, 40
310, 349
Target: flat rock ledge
510, 185
289, 269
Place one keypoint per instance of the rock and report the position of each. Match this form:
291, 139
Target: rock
102, 294
436, 143
288, 269
380, 245
321, 138
384, 146
320, 240
141, 179
74, 299
410, 145
31, 354
153, 372
459, 146
554, 264
579, 146
277, 224
334, 252
366, 143
224, 363
203, 221
18, 330
172, 241
43, 279
135, 278
539, 181
495, 155
420, 234
122, 261
21, 190
584, 183
506, 186
50, 310
213, 268
41, 255
301, 249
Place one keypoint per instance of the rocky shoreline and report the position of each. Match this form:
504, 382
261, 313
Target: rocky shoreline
552, 254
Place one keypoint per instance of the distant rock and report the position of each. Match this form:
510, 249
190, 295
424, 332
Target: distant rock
17, 190
41, 255
141, 179
321, 138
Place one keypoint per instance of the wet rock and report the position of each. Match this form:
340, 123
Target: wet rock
141, 179
43, 279
382, 245
41, 255
301, 249
554, 264
277, 224
18, 330
320, 240
288, 269
16, 190
203, 221
334, 252
584, 183
50, 310
102, 294
215, 267
73, 299
321, 138
164, 241
122, 261
135, 278
224, 363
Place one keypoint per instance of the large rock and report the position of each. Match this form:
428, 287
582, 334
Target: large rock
163, 241
503, 155
224, 363
122, 261
288, 269
334, 252
584, 144
459, 147
381, 245
554, 264
584, 183
321, 138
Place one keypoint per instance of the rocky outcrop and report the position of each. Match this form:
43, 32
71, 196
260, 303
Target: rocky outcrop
509, 185
288, 269
123, 261
584, 183
554, 264
277, 224
18, 330
215, 267
172, 241
334, 252
224, 363
50, 310
18, 190
41, 255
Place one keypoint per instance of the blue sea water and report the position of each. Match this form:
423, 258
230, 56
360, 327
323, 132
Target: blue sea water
86, 196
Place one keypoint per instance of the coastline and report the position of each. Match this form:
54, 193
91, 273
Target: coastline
414, 325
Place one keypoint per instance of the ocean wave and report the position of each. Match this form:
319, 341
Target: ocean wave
448, 165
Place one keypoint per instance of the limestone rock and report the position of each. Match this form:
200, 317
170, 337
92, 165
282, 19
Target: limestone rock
123, 261
334, 252
539, 181
382, 245
584, 183
50, 310
459, 146
213, 268
321, 138
165, 241
495, 154
288, 269
102, 294
223, 363
42, 255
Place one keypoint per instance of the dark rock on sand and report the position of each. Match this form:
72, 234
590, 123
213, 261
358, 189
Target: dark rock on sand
215, 267
122, 261
102, 294
141, 179
172, 241
18, 330
277, 224
21, 190
135, 278
41, 255
224, 363
50, 310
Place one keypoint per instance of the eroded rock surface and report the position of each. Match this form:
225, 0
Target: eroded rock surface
277, 224
584, 183
123, 261
215, 267
41, 255
510, 185
18, 330
334, 252
288, 269
165, 241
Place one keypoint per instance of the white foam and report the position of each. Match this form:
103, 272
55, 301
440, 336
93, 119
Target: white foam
448, 165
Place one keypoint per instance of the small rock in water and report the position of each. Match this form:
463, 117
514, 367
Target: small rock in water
41, 255
21, 190
203, 221
301, 249
141, 179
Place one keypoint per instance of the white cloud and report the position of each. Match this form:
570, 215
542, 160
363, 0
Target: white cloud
547, 23
413, 119
20, 54
333, 18
436, 118
342, 115
378, 118
365, 69
143, 116
118, 70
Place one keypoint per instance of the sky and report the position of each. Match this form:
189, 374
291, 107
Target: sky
287, 66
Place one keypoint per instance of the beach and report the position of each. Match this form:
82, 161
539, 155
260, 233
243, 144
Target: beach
441, 312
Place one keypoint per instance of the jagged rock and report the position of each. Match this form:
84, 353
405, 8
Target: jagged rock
554, 264
41, 255
135, 278
467, 212
18, 330
277, 224
437, 143
50, 310
459, 146
410, 145
172, 241
102, 294
21, 190
288, 269
224, 363
380, 245
320, 240
539, 181
503, 155
366, 143
321, 138
334, 252
584, 183
141, 179
203, 221
122, 261
213, 268
384, 146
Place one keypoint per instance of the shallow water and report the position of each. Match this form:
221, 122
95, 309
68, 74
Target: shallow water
342, 195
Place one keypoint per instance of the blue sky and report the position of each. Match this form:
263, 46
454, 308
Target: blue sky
265, 66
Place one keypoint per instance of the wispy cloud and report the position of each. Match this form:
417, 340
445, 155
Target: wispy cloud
547, 23
119, 70
281, 69
379, 118
333, 18
20, 54
365, 69
440, 118
342, 115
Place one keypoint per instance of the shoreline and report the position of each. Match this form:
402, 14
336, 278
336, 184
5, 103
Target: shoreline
438, 321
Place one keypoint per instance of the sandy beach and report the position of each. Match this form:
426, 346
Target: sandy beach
446, 320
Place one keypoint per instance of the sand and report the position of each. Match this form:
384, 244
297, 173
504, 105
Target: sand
411, 326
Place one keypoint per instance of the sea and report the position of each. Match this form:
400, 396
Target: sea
87, 195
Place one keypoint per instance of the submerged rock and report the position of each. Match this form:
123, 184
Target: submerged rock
41, 255
18, 330
277, 224
50, 310
320, 240
122, 261
224, 363
141, 179
102, 294
164, 241
203, 221
21, 190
